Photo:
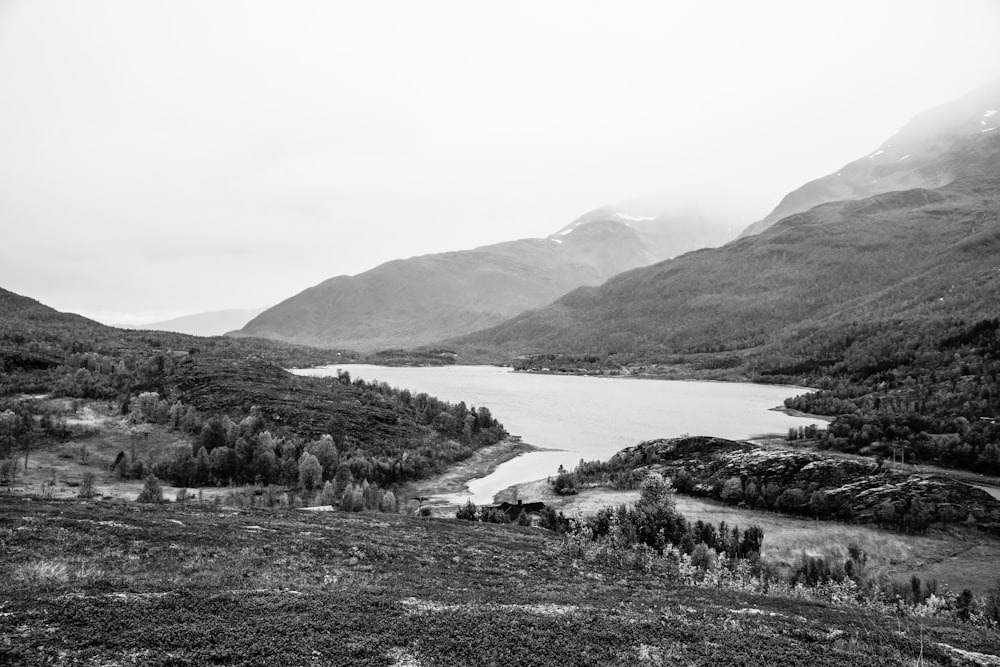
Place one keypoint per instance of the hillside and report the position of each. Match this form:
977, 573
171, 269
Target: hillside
930, 151
912, 254
203, 387
415, 301
203, 585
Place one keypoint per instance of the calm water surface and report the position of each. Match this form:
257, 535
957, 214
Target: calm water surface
588, 417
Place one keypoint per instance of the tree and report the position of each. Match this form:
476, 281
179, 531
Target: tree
151, 492
328, 496
732, 490
388, 502
87, 485
683, 481
918, 516
770, 493
819, 503
8, 426
467, 512
223, 463
310, 472
887, 514
791, 500
325, 451
202, 467
565, 484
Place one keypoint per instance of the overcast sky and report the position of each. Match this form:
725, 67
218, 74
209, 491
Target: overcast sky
161, 158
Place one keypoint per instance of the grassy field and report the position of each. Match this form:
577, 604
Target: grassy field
958, 557
100, 433
113, 583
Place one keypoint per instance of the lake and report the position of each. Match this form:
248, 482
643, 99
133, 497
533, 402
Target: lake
579, 417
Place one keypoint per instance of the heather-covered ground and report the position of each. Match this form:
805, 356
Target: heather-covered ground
114, 583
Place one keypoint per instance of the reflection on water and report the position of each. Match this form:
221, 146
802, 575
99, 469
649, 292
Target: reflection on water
586, 417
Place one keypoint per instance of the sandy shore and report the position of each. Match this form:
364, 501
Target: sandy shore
483, 462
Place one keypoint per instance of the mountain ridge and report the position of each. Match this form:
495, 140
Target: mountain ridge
929, 151
912, 253
419, 300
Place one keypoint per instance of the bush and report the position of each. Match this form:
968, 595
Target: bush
467, 512
565, 484
151, 492
87, 485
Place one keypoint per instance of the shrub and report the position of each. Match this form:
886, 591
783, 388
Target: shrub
41, 573
732, 490
151, 492
87, 485
467, 512
310, 472
328, 496
565, 484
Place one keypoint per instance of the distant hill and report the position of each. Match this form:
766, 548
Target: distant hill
929, 152
211, 323
27, 313
908, 255
410, 302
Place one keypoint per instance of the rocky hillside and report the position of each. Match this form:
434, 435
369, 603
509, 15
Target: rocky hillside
800, 482
411, 302
937, 147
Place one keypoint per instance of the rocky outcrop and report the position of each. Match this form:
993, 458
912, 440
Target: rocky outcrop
851, 490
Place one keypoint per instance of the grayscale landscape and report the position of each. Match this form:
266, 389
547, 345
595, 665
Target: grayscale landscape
423, 334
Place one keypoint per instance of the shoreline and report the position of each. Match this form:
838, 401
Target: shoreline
483, 462
805, 415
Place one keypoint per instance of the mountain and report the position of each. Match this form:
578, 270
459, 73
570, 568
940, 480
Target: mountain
29, 313
908, 255
211, 323
410, 302
930, 151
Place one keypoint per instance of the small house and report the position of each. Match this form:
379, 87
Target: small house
514, 510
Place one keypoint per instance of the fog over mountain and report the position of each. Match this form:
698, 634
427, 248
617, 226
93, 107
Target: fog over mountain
213, 323
161, 159
419, 300
898, 259
928, 152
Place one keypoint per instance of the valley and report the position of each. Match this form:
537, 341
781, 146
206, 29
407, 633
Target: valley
157, 480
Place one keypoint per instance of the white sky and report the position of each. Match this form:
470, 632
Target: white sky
159, 158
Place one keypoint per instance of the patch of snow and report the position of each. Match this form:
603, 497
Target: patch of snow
989, 113
904, 157
989, 129
876, 153
179, 523
633, 218
838, 173
556, 240
566, 231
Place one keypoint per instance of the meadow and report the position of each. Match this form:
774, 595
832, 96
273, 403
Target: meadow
116, 583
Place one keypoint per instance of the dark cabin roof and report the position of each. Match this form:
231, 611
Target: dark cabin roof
513, 510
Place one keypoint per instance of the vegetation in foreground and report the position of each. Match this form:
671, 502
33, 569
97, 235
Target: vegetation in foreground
109, 583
